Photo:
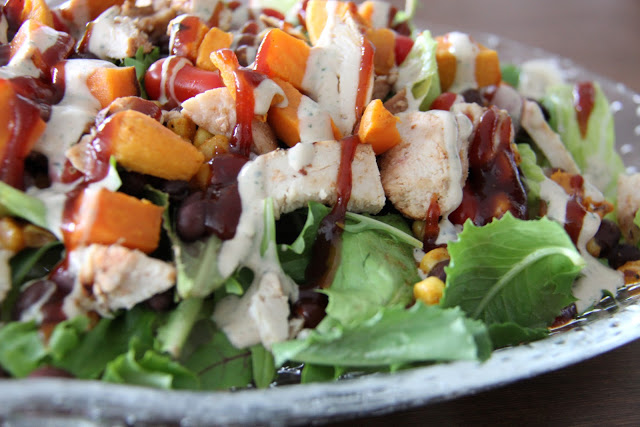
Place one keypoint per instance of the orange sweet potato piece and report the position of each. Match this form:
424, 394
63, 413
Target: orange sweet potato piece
141, 144
108, 84
290, 67
214, 40
378, 127
284, 120
384, 41
487, 65
226, 61
106, 217
80, 10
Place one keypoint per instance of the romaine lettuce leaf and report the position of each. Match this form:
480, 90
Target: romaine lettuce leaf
418, 73
595, 154
512, 271
173, 334
263, 366
393, 336
16, 203
22, 349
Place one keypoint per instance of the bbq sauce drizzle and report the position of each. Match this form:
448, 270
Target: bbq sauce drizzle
584, 96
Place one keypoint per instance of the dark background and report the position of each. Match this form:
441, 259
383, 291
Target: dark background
603, 36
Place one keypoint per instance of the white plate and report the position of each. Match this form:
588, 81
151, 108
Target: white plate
78, 402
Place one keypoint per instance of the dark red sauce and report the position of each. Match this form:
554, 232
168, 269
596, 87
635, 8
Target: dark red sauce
186, 36
5, 54
493, 186
431, 225
584, 98
366, 69
242, 138
326, 249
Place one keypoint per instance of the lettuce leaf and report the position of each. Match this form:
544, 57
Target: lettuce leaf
22, 349
17, 203
393, 336
418, 73
263, 366
512, 271
595, 154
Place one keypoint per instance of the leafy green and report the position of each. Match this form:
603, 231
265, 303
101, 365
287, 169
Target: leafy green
216, 362
66, 336
419, 71
263, 366
151, 369
107, 340
393, 336
22, 349
512, 271
19, 204
595, 154
505, 334
174, 333
142, 61
510, 74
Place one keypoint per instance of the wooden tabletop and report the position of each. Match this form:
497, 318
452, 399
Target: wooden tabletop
603, 36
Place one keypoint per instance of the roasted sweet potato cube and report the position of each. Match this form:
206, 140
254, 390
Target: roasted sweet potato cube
290, 67
214, 40
378, 127
106, 217
108, 84
384, 41
187, 32
141, 144
21, 10
486, 64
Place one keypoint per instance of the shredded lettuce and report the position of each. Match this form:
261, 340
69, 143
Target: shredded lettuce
419, 71
512, 271
595, 154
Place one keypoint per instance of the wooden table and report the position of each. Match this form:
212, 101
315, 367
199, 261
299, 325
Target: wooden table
603, 36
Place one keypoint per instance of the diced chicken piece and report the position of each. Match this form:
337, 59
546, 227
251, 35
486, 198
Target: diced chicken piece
260, 316
431, 160
5, 273
472, 110
628, 205
112, 277
152, 18
308, 172
546, 139
506, 98
215, 111
112, 36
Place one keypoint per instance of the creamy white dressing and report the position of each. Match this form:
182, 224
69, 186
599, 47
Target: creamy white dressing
537, 75
21, 63
168, 77
5, 272
73, 115
466, 52
263, 96
114, 36
314, 124
546, 139
332, 75
173, 28
300, 155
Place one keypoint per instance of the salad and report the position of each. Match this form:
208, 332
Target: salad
214, 195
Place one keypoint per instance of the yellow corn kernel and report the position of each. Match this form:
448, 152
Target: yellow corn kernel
183, 126
202, 177
432, 258
429, 290
36, 237
214, 146
418, 229
201, 136
11, 235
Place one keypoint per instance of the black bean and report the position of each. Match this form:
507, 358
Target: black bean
161, 302
607, 237
223, 213
31, 295
5, 54
311, 306
191, 218
623, 253
473, 95
133, 183
438, 270
177, 190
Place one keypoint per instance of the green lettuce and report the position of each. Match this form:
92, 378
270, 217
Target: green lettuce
512, 271
142, 61
419, 71
595, 154
14, 202
22, 349
393, 336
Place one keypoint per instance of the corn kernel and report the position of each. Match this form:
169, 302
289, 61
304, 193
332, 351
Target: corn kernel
182, 126
202, 177
418, 229
201, 136
216, 145
11, 235
433, 258
429, 290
